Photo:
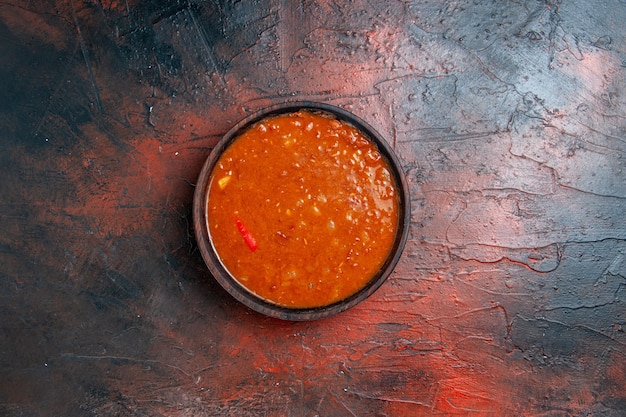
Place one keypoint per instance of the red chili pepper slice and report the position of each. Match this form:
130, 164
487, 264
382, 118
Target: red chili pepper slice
247, 237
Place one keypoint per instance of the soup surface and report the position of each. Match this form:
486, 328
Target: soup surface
302, 209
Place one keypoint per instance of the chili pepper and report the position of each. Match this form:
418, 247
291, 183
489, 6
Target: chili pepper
247, 237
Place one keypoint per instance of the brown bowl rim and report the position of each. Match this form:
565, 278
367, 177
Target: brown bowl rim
230, 284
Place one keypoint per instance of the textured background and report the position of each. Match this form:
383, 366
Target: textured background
509, 118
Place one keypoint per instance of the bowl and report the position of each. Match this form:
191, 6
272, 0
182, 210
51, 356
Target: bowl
211, 221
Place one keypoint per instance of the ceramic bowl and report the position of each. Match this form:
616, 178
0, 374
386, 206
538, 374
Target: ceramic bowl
231, 285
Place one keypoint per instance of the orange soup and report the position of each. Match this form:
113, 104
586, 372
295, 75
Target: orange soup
302, 209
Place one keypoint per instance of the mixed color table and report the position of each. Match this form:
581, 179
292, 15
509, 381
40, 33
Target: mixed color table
509, 120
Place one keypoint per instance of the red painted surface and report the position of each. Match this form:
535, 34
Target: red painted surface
508, 120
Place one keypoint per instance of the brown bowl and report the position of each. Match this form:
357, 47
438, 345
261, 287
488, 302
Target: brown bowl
250, 299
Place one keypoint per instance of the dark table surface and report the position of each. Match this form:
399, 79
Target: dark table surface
509, 119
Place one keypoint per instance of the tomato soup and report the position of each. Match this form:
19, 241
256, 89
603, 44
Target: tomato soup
302, 209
